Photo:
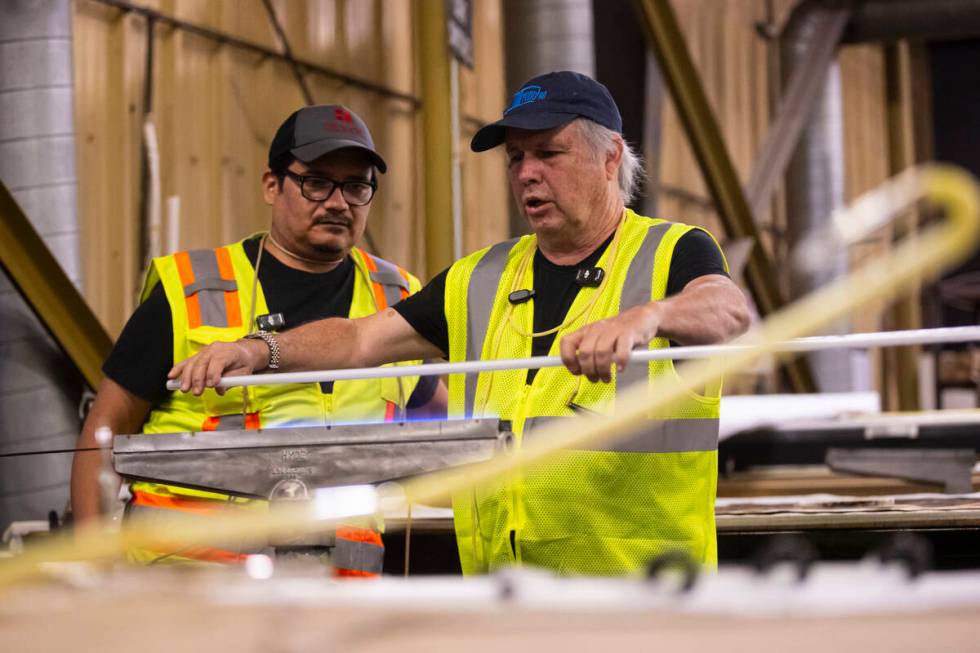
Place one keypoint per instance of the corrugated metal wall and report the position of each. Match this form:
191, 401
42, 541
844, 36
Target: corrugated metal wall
217, 107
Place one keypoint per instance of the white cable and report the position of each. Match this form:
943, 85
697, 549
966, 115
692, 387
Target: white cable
153, 188
816, 343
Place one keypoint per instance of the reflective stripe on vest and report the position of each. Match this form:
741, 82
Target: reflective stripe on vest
390, 286
387, 280
358, 552
482, 288
210, 288
486, 277
146, 506
637, 291
671, 436
232, 422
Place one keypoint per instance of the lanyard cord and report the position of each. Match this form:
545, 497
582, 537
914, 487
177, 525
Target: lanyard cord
509, 313
522, 271
251, 321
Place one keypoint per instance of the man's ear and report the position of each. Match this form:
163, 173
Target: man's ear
271, 187
614, 158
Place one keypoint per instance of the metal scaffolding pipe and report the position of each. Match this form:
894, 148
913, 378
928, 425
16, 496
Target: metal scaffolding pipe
815, 175
815, 343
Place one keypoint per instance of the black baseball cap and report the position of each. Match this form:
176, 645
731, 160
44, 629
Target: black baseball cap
314, 131
551, 100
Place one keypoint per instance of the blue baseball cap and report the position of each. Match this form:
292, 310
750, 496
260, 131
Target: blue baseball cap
551, 100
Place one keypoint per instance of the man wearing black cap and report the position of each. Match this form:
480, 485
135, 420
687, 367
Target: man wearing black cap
321, 178
593, 282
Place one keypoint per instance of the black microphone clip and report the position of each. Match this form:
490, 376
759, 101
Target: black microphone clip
589, 277
520, 296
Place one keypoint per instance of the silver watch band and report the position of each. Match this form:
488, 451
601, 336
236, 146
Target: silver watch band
273, 344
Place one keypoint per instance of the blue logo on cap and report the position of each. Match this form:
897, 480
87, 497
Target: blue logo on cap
526, 95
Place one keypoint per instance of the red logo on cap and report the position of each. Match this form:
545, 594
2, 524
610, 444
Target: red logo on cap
343, 123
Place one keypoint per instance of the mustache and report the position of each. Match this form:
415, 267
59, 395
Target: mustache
334, 218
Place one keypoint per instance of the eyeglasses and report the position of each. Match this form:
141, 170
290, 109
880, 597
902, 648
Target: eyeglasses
317, 189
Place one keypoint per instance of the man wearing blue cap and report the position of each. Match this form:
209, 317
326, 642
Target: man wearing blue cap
321, 178
592, 282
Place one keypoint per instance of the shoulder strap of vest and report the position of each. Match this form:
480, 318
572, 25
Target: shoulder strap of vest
389, 282
210, 288
480, 294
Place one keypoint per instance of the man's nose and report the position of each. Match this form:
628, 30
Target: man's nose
528, 170
335, 200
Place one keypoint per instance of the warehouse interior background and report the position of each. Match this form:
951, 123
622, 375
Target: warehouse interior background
132, 129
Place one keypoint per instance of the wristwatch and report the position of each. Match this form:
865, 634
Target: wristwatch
273, 344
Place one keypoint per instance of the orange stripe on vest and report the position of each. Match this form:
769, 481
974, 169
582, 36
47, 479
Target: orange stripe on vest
205, 507
186, 271
253, 422
354, 573
233, 310
379, 292
357, 534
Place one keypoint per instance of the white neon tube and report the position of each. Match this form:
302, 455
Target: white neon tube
741, 345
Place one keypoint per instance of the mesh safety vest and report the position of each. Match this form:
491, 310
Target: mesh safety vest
603, 511
210, 295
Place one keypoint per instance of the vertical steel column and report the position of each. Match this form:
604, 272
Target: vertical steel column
902, 363
702, 130
542, 36
437, 135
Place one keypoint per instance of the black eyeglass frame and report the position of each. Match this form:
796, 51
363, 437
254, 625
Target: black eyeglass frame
301, 182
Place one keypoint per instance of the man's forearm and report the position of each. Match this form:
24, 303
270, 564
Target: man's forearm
120, 411
340, 343
325, 344
704, 313
86, 496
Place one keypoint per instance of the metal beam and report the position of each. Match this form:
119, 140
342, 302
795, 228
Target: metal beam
48, 290
924, 20
795, 108
667, 42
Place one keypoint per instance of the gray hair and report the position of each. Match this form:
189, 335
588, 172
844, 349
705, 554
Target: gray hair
602, 140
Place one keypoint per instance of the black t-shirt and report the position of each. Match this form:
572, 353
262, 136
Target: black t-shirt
144, 353
695, 255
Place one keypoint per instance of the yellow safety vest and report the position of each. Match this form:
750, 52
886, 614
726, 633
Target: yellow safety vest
602, 511
210, 295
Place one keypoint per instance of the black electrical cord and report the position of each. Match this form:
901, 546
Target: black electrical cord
224, 38
42, 452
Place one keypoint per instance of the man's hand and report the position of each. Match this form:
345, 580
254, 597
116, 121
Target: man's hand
205, 369
710, 309
594, 348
